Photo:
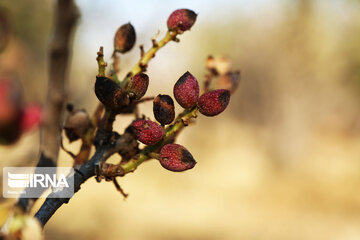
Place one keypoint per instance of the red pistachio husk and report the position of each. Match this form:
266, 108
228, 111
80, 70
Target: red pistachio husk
182, 19
148, 132
186, 91
176, 158
214, 102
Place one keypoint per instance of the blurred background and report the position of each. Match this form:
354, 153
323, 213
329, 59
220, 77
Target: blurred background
282, 162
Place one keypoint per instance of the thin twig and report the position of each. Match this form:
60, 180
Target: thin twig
118, 187
141, 65
65, 150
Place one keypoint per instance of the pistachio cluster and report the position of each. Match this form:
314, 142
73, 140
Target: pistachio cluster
118, 97
175, 157
122, 97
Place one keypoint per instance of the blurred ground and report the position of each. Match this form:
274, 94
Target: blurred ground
281, 163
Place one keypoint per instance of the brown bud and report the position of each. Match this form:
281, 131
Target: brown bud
148, 132
228, 81
186, 90
210, 63
76, 124
125, 38
164, 110
110, 94
182, 19
138, 85
214, 102
176, 158
218, 65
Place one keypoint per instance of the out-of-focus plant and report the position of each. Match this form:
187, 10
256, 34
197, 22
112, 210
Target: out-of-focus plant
15, 117
4, 29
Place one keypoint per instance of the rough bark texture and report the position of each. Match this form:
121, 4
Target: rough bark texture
107, 143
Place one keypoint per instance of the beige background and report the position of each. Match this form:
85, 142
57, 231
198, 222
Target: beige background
282, 162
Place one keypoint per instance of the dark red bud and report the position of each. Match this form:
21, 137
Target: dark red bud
125, 38
110, 94
164, 110
214, 102
76, 124
186, 91
182, 19
176, 158
148, 132
138, 85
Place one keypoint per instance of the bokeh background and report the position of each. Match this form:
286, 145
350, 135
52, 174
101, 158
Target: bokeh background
282, 162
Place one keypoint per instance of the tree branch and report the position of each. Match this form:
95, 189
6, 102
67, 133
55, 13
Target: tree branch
66, 15
86, 171
107, 143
